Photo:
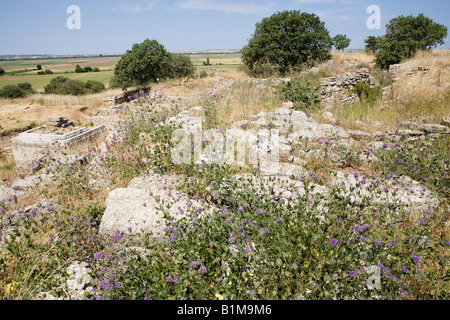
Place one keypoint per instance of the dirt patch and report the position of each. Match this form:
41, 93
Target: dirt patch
21, 117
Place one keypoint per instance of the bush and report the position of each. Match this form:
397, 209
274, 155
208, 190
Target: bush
66, 86
25, 86
12, 91
203, 74
78, 69
95, 86
304, 96
261, 70
114, 82
47, 71
2, 72
182, 66
364, 91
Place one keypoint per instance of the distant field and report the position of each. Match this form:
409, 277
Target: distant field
18, 71
219, 62
39, 82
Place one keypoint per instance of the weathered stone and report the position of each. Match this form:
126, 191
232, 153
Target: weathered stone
29, 146
434, 128
79, 280
359, 135
142, 205
55, 119
402, 191
445, 122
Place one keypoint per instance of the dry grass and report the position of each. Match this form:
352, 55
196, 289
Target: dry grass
416, 97
361, 57
423, 95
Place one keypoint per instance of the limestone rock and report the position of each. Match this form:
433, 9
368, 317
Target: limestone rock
435, 128
79, 280
445, 122
141, 206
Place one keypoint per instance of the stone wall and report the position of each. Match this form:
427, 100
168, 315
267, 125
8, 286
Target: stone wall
127, 96
394, 71
337, 89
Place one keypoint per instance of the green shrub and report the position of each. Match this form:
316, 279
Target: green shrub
47, 71
94, 211
72, 87
364, 91
114, 82
304, 96
26, 86
66, 86
262, 70
203, 74
182, 66
2, 72
95, 86
12, 91
78, 69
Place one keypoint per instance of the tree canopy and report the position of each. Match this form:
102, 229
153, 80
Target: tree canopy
149, 62
287, 40
145, 63
372, 44
341, 42
404, 37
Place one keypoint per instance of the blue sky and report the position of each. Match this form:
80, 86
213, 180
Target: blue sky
113, 26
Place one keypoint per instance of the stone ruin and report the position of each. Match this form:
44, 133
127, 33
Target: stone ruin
127, 96
55, 137
59, 122
395, 69
337, 89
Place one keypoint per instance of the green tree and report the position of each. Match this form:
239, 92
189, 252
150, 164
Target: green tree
182, 66
26, 86
287, 40
341, 42
94, 86
79, 69
407, 35
372, 44
147, 62
39, 67
12, 91
2, 72
54, 84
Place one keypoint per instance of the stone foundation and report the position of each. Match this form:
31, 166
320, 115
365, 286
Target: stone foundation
29, 146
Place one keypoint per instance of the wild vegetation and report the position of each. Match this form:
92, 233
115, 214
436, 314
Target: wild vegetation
244, 239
